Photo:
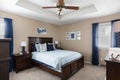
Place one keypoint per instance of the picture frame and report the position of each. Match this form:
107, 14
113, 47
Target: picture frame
78, 33
72, 36
78, 38
67, 35
41, 30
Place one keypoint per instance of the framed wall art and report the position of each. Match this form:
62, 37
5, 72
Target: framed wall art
78, 35
41, 30
67, 35
72, 36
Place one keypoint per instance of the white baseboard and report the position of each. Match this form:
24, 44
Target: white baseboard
87, 62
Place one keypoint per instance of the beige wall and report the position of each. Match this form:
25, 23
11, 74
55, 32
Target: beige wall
25, 27
84, 45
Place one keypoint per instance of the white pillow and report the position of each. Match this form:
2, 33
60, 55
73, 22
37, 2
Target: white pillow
43, 47
37, 46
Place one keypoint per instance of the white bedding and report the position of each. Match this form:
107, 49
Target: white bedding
56, 58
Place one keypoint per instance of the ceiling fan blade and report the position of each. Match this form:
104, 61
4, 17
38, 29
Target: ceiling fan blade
72, 7
49, 7
61, 2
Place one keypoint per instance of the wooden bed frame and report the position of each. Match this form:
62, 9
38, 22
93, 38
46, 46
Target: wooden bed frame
67, 70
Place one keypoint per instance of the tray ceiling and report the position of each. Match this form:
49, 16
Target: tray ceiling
88, 9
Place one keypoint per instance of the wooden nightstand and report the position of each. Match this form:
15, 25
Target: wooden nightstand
59, 48
22, 62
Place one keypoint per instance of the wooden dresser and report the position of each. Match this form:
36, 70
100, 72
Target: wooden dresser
112, 69
4, 59
22, 62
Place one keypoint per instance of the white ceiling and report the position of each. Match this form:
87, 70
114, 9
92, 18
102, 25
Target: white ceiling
88, 9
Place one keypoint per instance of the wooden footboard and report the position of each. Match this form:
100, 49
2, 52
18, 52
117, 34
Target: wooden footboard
67, 70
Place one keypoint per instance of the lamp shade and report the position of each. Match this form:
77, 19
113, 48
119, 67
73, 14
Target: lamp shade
56, 42
23, 44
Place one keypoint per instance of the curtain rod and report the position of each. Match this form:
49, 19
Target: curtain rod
104, 21
108, 21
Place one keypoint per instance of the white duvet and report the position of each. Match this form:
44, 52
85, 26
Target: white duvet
56, 58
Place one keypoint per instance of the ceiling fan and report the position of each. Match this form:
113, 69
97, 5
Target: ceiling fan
60, 5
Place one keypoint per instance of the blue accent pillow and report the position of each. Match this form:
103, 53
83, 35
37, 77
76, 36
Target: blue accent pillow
33, 48
50, 47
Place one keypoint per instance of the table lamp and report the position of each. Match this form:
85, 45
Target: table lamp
23, 44
56, 44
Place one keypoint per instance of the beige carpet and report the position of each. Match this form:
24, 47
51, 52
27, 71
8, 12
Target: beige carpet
89, 72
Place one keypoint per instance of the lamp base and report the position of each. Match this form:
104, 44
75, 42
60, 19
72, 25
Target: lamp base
56, 46
23, 50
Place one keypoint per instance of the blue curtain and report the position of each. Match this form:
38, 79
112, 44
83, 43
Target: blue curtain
114, 35
9, 34
95, 55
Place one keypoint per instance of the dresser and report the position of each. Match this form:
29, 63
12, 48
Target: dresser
21, 62
112, 69
4, 59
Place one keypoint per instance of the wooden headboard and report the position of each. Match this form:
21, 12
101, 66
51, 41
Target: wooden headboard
33, 40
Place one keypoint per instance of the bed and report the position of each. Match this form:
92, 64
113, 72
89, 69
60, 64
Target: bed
64, 70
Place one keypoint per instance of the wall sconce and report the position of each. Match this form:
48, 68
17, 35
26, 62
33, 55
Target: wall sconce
23, 44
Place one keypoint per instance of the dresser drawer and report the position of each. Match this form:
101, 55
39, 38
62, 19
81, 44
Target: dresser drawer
22, 59
23, 63
20, 67
4, 70
4, 49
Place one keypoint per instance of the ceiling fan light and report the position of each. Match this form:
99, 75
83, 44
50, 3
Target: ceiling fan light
57, 12
61, 13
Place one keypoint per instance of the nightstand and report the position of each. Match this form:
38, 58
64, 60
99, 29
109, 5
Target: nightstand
22, 62
59, 48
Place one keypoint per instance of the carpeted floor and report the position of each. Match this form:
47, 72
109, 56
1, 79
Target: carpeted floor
89, 72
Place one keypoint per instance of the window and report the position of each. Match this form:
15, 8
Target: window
2, 28
118, 39
117, 32
104, 35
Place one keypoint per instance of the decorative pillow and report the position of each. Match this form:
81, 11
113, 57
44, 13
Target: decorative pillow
50, 47
43, 47
53, 45
33, 48
37, 47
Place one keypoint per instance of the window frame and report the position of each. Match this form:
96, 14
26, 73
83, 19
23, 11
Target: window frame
102, 25
2, 28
